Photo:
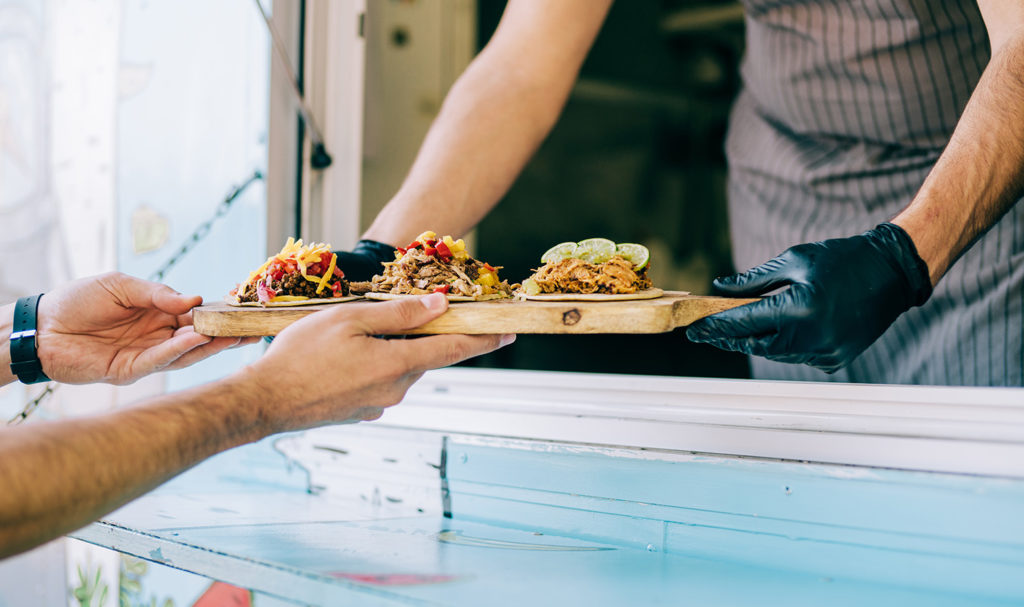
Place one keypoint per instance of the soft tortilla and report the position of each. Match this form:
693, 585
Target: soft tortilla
233, 301
652, 293
451, 298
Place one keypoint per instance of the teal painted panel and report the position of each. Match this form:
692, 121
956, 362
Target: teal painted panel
913, 503
433, 561
955, 533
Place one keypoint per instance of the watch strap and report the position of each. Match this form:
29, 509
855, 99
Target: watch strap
24, 358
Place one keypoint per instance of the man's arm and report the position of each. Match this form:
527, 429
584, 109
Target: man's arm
493, 119
980, 175
326, 368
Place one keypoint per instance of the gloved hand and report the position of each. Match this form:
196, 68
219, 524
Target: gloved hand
364, 260
843, 294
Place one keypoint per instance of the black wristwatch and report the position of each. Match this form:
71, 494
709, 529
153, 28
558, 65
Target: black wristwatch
24, 360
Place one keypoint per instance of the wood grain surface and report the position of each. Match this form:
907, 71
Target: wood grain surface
503, 316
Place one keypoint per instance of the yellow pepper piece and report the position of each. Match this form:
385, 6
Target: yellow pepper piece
486, 279
328, 273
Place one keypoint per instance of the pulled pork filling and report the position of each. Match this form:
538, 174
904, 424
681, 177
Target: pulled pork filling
419, 273
577, 276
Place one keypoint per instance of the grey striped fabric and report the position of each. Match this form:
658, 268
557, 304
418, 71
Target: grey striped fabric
846, 107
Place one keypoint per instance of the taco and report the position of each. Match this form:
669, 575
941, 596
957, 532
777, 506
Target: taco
438, 265
298, 275
595, 269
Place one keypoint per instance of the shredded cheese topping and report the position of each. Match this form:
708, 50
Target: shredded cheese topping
302, 255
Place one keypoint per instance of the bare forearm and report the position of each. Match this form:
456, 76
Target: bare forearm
981, 173
493, 119
489, 127
61, 475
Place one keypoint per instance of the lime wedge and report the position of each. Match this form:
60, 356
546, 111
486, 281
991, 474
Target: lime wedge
559, 252
595, 250
530, 287
637, 254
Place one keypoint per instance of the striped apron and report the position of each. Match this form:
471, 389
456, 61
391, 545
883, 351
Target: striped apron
846, 106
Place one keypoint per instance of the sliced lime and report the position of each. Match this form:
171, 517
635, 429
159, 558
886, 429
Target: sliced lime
637, 254
559, 252
530, 287
595, 250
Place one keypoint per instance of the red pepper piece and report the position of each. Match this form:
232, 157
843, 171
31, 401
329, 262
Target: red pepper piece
402, 250
414, 244
429, 250
489, 267
429, 242
443, 289
443, 250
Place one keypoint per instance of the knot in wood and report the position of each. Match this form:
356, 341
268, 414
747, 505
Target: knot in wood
571, 317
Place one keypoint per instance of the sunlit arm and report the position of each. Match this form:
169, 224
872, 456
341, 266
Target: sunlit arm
58, 476
980, 175
494, 119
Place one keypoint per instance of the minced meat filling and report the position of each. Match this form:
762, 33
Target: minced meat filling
292, 284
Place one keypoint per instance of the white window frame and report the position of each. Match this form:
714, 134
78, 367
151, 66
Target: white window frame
333, 59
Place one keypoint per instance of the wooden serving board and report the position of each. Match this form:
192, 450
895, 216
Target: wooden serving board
659, 315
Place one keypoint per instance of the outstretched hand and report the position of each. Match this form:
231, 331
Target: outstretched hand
842, 295
115, 328
328, 368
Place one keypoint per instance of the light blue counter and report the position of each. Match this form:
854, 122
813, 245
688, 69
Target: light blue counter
397, 513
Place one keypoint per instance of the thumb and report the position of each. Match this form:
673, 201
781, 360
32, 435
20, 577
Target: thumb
145, 294
400, 315
755, 281
164, 354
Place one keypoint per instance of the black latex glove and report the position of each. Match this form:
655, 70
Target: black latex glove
364, 260
843, 294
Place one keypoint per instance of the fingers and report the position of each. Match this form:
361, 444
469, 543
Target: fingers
214, 346
438, 351
751, 320
162, 355
396, 316
140, 293
755, 281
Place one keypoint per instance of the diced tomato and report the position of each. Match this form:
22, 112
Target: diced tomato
443, 250
290, 267
325, 258
277, 274
442, 289
315, 270
264, 293
336, 287
429, 250
338, 272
